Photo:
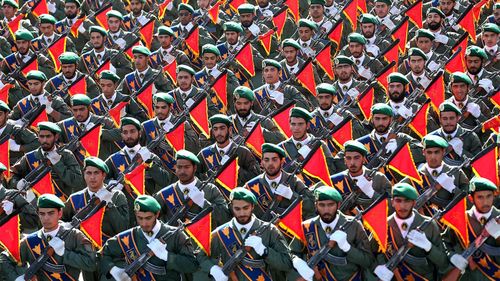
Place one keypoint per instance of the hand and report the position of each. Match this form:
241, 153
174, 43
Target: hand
104, 195
395, 10
167, 126
20, 278
145, 153
365, 72
120, 42
303, 269
366, 186
419, 239
486, 84
405, 112
457, 145
459, 262
353, 93
284, 191
335, 119
159, 249
217, 273
447, 182
432, 66
54, 157
21, 184
7, 206
58, 245
391, 146
119, 274
118, 186
383, 273
304, 151
256, 243
13, 146
474, 109
493, 228
198, 196
254, 29
19, 122
443, 39
340, 237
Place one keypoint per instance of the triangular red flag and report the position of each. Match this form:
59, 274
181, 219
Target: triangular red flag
4, 92
136, 179
213, 12
193, 41
76, 25
293, 7
78, 87
467, 23
57, 48
402, 163
44, 185
457, 62
402, 34
5, 156
350, 11
162, 8
492, 123
40, 8
91, 141
228, 177
32, 65
392, 55
10, 238
146, 33
317, 167
291, 222
92, 227
115, 113
415, 13
419, 122
220, 89
485, 164
476, 10
171, 71
101, 17
105, 66
282, 122
456, 218
199, 116
42, 117
255, 140
234, 4
306, 78
366, 101
13, 25
176, 137
145, 98
245, 59
265, 40
382, 78
375, 220
335, 34
324, 60
279, 20
435, 91
362, 6
343, 132
200, 230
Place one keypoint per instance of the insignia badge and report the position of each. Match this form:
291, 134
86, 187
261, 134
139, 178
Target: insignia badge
137, 207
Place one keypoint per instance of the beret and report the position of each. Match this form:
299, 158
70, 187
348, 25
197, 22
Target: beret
98, 29
188, 155
73, 1
491, 27
481, 184
244, 92
460, 77
417, 52
114, 14
219, 118
131, 121
271, 62
246, 8
11, 3
69, 58
270, 147
36, 75
326, 88
300, 112
185, 7
210, 48
244, 194
475, 51
108, 75
425, 33
80, 99
369, 18
397, 77
356, 38
23, 34
142, 50
4, 107
232, 26
185, 68
164, 97
46, 18
436, 10
49, 201
355, 146
49, 126
327, 193
2, 167
291, 43
449, 106
388, 2
343, 60
96, 162
382, 108
318, 2
308, 23
146, 203
165, 30
404, 190
431, 141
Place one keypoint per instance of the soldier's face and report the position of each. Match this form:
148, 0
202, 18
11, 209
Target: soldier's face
424, 44
165, 40
220, 132
271, 74
403, 207
130, 135
325, 101
70, 10
496, 15
114, 24
246, 19
433, 21
434, 156
35, 87
184, 170
272, 163
448, 121
81, 112
242, 211
68, 70
22, 46
47, 29
140, 62
243, 107
162, 109
459, 91
290, 54
381, 123
184, 80
327, 210
136, 6
146, 220
3, 118
368, 30
49, 217
185, 17
94, 178
396, 92
209, 60
343, 72
417, 64
446, 6
474, 64
316, 10
381, 9
97, 40
232, 37
353, 161
298, 126
356, 49
8, 11
490, 39
47, 139
483, 200
305, 33
108, 87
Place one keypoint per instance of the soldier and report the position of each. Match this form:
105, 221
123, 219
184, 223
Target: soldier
483, 263
55, 108
115, 217
344, 72
15, 92
72, 12
475, 61
65, 171
167, 53
308, 48
137, 17
489, 38
292, 63
366, 66
418, 75
10, 12
70, 81
71, 255
92, 6
375, 43
49, 36
443, 38
269, 255
428, 257
347, 259
317, 15
382, 10
191, 193
276, 189
202, 14
173, 254
424, 40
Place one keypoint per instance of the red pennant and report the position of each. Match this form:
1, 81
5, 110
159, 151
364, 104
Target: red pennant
92, 227
57, 48
279, 21
42, 117
436, 92
13, 25
146, 32
293, 7
171, 71
176, 137
193, 41
403, 164
105, 66
351, 11
375, 220
402, 34
362, 6
220, 89
115, 113
128, 51
228, 177
382, 79
265, 40
476, 10
40, 8
4, 92
145, 98
365, 103
392, 55
467, 24
492, 123
324, 60
415, 13
76, 25
335, 34
317, 167
457, 62
456, 218
485, 164
136, 179
306, 78
44, 185
213, 12
33, 65
101, 17
419, 122
200, 231
10, 238
162, 9
91, 141
234, 4
255, 140
79, 87
5, 156
282, 122
199, 116
343, 133
291, 223
245, 59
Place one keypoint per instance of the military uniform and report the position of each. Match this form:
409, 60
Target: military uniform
279, 96
79, 84
91, 62
270, 131
16, 61
81, 37
42, 43
29, 102
206, 77
27, 217
181, 99
469, 139
101, 105
133, 81
26, 138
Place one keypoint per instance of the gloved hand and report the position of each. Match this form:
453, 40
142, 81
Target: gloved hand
284, 191
20, 278
167, 126
432, 66
383, 273
394, 10
48, 104
391, 146
256, 243
446, 182
493, 228
19, 122
120, 42
457, 145
13, 146
366, 186
159, 249
58, 245
51, 7
119, 274
419, 239
304, 151
145, 153
254, 29
267, 13
20, 184
443, 39
486, 84
405, 112
303, 269
7, 206
198, 196
118, 186
365, 72
54, 157
335, 119
340, 237
217, 274
353, 93
474, 109
89, 126
459, 262
104, 195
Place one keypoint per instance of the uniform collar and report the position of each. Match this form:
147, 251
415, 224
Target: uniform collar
247, 226
400, 222
52, 233
479, 215
153, 232
276, 180
438, 169
225, 149
302, 142
331, 225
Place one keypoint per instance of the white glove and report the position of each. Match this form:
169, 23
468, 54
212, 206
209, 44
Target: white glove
254, 29
391, 146
457, 145
446, 182
145, 153
442, 38
340, 237
304, 151
353, 93
120, 42
486, 84
374, 49
170, 6
432, 66
284, 191
366, 186
167, 126
383, 273
419, 239
459, 262
19, 122
364, 72
119, 274
58, 245
303, 269
387, 22
20, 278
48, 104
104, 195
217, 273
493, 228
89, 126
20, 184
267, 13
13, 146
198, 196
474, 109
256, 243
159, 249
118, 186
394, 10
405, 112
7, 206
54, 157
51, 7
335, 119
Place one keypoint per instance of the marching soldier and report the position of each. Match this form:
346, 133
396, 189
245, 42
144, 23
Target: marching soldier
443, 38
308, 48
375, 43
47, 27
366, 66
16, 92
10, 10
424, 40
475, 62
94, 6
173, 255
115, 217
489, 38
418, 75
137, 17
191, 193
167, 53
292, 63
350, 256
72, 13
268, 256
344, 72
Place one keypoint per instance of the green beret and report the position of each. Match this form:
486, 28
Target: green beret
369, 18
460, 77
300, 112
417, 52
404, 190
49, 201
425, 33
491, 27
185, 7
327, 193
343, 60
481, 184
108, 75
219, 118
382, 108
232, 26
98, 29
11, 3
210, 48
397, 77
165, 30
188, 155
388, 2
49, 126
36, 75
246, 8
185, 68
74, 1
244, 92
496, 6
308, 23
270, 147
131, 121
146, 203
4, 107
142, 50
80, 99
436, 10
290, 43
114, 14
164, 97
69, 58
318, 2
23, 34
96, 162
271, 62
2, 167
46, 18
355, 146
326, 88
475, 51
449, 106
244, 194
431, 141
356, 38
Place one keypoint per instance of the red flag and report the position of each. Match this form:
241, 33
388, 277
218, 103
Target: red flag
105, 66
10, 238
495, 99
115, 113
324, 60
457, 63
13, 25
382, 78
306, 78
245, 59
33, 65
366, 101
265, 40
200, 230
171, 71
91, 141
403, 164
193, 41
234, 4
282, 122
476, 10
415, 13
317, 167
162, 9
213, 12
5, 156
76, 25
101, 17
40, 8
456, 218
419, 122
435, 91
228, 177
128, 51
343, 132
485, 164
220, 89
44, 185
42, 117
335, 34
279, 20
492, 123
293, 7
291, 222
136, 179
255, 140
146, 33
467, 23
57, 48
176, 137
92, 227
375, 220
392, 55
78, 87
362, 6
4, 92
145, 98
402, 34
350, 11
199, 116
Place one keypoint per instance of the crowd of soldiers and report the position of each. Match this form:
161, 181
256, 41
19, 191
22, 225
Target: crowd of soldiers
180, 181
